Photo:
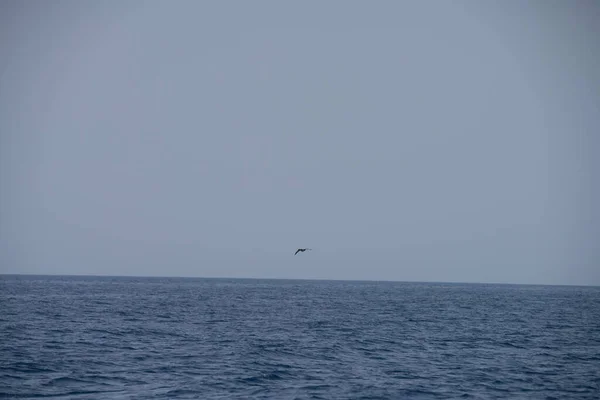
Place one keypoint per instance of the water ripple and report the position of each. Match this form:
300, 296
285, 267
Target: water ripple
134, 338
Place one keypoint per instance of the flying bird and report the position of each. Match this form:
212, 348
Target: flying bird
300, 250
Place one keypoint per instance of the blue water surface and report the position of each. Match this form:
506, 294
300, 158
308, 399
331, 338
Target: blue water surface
167, 338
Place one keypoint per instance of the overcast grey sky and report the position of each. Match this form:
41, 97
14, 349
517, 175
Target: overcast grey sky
401, 140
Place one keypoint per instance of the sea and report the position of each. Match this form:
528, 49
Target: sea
76, 337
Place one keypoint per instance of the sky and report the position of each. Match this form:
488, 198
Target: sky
400, 140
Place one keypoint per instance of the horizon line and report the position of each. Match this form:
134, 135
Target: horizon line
296, 279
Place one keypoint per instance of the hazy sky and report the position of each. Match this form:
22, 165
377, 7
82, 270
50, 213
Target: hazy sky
401, 140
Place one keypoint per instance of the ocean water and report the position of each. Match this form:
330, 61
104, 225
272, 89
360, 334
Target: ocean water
169, 338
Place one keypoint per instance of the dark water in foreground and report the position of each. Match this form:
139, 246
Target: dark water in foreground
166, 338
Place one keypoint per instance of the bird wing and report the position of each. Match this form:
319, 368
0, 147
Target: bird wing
296, 251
